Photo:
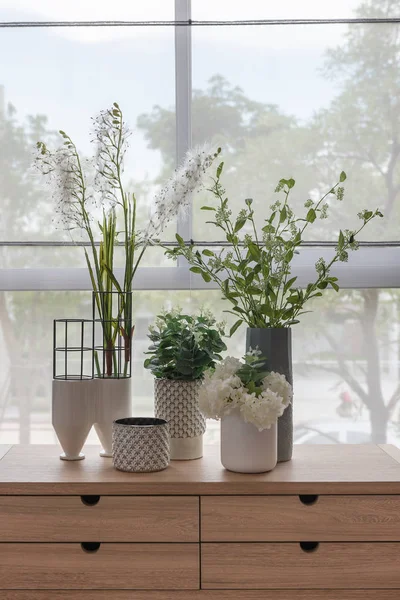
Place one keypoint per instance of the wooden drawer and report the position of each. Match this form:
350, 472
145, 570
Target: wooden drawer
111, 519
202, 595
113, 566
354, 565
290, 518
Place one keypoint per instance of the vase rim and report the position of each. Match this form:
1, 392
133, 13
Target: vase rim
140, 422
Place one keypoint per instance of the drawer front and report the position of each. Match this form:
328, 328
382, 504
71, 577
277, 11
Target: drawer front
354, 565
111, 519
112, 566
202, 595
297, 518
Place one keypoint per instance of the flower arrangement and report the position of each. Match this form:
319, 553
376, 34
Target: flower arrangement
184, 346
84, 188
253, 270
260, 397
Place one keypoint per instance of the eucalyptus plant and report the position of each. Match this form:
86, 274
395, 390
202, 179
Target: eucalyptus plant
184, 346
254, 270
82, 187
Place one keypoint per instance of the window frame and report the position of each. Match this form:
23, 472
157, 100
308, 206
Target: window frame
373, 266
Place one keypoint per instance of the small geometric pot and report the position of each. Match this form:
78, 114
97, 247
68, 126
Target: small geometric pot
140, 445
72, 414
176, 401
113, 401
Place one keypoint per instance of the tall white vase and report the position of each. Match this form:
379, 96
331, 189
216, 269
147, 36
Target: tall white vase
113, 401
72, 414
244, 449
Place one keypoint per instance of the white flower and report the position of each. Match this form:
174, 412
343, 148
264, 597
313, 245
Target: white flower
227, 368
176, 195
263, 410
278, 384
222, 391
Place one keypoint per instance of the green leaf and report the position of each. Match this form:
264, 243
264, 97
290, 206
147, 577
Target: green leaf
341, 240
290, 183
207, 252
367, 215
335, 286
289, 284
196, 270
206, 277
311, 215
208, 208
219, 170
235, 327
180, 240
254, 251
239, 224
283, 215
342, 177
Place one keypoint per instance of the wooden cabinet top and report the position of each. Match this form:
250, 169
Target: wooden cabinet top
333, 469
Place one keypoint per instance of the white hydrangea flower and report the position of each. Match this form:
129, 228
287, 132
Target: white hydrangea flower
263, 410
227, 367
222, 391
278, 384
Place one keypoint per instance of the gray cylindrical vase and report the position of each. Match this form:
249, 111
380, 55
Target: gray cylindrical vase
276, 345
177, 402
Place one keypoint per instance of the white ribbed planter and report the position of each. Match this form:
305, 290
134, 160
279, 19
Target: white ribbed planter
72, 414
244, 449
113, 401
177, 402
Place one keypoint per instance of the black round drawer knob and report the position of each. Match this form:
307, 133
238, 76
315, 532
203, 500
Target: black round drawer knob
309, 546
308, 498
90, 546
90, 500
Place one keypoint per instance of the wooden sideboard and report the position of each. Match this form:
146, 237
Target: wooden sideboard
325, 526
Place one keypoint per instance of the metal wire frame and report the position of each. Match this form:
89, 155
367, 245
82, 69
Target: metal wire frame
66, 349
121, 321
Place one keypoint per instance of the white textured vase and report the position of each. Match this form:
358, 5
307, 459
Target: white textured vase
72, 414
244, 449
177, 402
113, 401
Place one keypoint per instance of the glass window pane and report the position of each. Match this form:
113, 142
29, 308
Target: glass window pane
89, 10
346, 362
231, 10
305, 102
58, 79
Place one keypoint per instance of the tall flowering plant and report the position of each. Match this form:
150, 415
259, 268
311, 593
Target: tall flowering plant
260, 396
84, 187
254, 268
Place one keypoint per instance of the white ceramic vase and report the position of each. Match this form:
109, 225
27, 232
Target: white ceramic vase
113, 401
244, 449
72, 414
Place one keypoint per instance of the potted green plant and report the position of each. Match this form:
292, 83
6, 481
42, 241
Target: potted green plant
182, 348
94, 205
253, 271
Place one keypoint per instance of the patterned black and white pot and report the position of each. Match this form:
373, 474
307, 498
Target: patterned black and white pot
177, 402
140, 444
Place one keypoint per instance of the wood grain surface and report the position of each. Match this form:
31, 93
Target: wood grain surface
354, 565
203, 595
115, 566
333, 469
112, 519
286, 518
391, 450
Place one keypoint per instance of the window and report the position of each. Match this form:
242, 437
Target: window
299, 99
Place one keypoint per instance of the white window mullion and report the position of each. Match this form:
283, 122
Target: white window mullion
183, 103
